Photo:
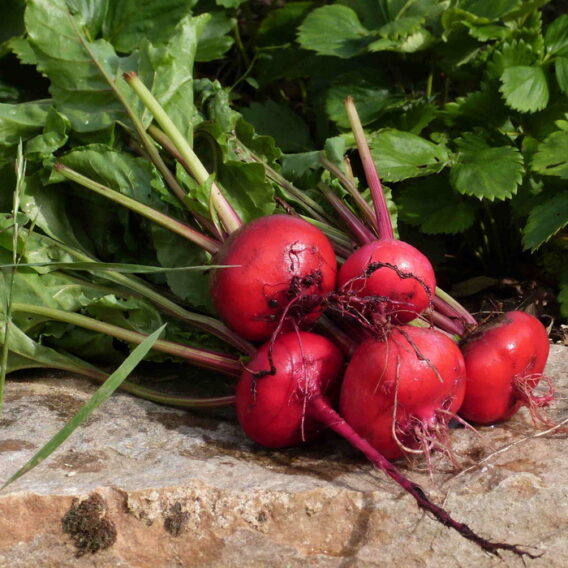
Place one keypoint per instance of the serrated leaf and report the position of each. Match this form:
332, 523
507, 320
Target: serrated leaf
288, 128
486, 172
551, 158
334, 30
545, 220
372, 102
490, 10
435, 207
401, 155
279, 26
556, 36
561, 68
525, 88
511, 54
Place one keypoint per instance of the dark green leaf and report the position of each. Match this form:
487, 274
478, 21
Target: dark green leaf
21, 121
552, 156
279, 27
525, 88
490, 10
545, 220
288, 128
401, 155
556, 36
486, 172
334, 30
561, 67
372, 102
214, 41
435, 207
128, 23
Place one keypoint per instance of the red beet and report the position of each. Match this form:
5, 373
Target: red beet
273, 408
504, 363
283, 398
392, 270
285, 266
403, 389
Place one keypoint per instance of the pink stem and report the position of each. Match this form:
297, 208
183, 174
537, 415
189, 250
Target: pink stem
384, 222
322, 411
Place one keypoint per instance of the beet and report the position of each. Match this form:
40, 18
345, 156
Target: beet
285, 268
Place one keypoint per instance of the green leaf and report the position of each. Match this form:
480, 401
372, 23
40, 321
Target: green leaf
551, 158
556, 36
334, 30
76, 67
561, 68
130, 175
98, 398
511, 54
280, 25
401, 155
128, 23
173, 250
372, 101
288, 128
490, 10
435, 207
21, 121
525, 88
214, 41
486, 172
401, 27
54, 136
545, 220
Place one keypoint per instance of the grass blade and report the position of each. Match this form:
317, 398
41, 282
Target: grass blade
102, 394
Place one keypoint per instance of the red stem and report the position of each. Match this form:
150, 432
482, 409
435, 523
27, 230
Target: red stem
384, 222
322, 411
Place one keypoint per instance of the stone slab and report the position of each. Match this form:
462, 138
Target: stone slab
141, 485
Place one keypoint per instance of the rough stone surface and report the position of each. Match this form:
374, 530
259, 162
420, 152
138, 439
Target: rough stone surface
141, 485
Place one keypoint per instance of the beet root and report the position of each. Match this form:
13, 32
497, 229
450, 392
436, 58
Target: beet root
283, 269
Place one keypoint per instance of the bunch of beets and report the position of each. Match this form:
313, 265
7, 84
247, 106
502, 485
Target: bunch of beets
361, 342
394, 360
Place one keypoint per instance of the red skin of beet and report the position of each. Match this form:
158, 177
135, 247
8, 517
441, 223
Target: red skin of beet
279, 257
273, 409
499, 358
382, 370
410, 296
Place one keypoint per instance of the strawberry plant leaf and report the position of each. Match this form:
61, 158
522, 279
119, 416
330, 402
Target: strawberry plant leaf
545, 220
551, 158
214, 42
561, 68
334, 30
401, 155
556, 36
288, 128
432, 205
484, 171
525, 88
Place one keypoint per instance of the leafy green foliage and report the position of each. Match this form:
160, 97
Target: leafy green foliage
545, 220
525, 88
486, 171
401, 155
334, 30
551, 157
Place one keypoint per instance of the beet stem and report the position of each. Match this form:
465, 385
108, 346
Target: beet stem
384, 222
322, 411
